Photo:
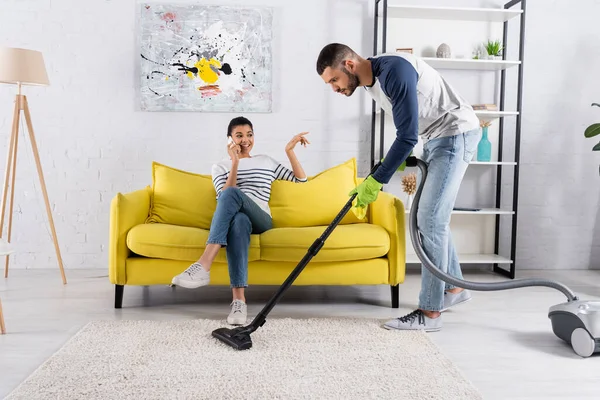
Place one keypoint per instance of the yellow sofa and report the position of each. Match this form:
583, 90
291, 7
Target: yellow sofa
158, 231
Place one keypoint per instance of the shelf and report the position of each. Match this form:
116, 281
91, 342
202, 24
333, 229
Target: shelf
469, 64
492, 163
483, 211
468, 259
495, 114
482, 113
453, 13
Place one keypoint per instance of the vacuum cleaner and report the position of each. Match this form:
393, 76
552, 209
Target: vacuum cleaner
577, 322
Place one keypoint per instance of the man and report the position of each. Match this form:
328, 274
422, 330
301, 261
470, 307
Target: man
422, 104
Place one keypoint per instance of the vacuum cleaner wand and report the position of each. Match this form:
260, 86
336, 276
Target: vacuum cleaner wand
239, 338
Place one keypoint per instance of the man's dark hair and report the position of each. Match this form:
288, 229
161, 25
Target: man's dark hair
237, 121
332, 56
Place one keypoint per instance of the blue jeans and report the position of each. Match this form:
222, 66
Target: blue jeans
447, 159
235, 218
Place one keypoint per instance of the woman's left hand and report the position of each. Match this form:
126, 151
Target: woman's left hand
297, 138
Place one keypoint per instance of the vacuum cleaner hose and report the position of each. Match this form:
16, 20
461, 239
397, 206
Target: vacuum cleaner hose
477, 286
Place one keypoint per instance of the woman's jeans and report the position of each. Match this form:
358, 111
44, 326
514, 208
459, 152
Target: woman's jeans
447, 159
235, 218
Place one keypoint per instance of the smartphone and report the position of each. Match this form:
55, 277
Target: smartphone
229, 141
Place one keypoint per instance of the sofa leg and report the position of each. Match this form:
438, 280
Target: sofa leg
119, 296
395, 296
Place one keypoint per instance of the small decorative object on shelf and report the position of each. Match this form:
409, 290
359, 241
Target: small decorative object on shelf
494, 49
405, 50
443, 51
484, 107
468, 209
484, 148
409, 186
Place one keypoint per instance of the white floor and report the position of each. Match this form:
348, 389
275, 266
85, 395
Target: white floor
502, 341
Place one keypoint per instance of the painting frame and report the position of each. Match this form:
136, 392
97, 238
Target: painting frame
205, 58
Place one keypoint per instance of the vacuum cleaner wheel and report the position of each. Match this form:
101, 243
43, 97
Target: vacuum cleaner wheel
582, 342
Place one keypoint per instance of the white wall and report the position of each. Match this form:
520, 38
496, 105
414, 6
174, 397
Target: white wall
94, 141
560, 227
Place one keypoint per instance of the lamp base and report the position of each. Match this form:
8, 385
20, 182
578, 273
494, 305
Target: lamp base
10, 173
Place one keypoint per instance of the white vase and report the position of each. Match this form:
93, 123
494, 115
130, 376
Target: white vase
408, 203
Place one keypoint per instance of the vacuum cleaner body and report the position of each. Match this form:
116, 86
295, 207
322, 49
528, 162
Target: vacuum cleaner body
578, 323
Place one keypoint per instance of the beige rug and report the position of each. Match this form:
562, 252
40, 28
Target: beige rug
290, 359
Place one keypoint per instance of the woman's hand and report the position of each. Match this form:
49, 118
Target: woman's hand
234, 151
289, 151
297, 138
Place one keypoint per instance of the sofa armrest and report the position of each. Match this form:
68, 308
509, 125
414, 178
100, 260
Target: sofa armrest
126, 211
388, 212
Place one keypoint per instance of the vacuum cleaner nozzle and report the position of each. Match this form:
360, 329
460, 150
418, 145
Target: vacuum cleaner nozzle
238, 338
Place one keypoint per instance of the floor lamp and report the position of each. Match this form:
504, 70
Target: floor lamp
23, 67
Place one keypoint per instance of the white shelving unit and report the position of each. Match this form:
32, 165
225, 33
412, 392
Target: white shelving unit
483, 114
452, 13
469, 259
493, 163
483, 219
481, 211
470, 64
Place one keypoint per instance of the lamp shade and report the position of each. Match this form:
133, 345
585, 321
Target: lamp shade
22, 66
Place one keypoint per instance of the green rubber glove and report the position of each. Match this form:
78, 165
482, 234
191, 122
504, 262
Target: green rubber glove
367, 192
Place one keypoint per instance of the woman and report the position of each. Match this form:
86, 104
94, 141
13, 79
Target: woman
243, 186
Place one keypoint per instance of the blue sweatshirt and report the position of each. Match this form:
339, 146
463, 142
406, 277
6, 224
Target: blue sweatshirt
421, 103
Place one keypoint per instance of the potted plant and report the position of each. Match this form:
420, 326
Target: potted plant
494, 49
593, 130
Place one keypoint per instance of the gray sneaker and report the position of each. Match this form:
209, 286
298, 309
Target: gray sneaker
452, 299
416, 320
238, 314
193, 277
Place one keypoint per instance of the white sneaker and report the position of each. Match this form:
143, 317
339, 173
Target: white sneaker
193, 277
238, 313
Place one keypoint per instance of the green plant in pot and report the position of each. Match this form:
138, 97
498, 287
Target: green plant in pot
494, 49
593, 130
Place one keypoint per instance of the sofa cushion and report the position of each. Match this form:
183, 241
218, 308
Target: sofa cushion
181, 197
315, 202
174, 242
345, 243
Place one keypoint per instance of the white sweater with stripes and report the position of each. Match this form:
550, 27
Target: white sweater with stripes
254, 177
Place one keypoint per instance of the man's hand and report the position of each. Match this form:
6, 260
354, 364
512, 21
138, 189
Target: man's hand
366, 193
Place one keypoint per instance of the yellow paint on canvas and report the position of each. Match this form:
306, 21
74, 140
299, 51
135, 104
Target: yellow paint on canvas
205, 72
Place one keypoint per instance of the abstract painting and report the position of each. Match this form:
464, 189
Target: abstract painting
205, 58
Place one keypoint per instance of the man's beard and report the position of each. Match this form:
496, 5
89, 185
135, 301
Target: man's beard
353, 82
